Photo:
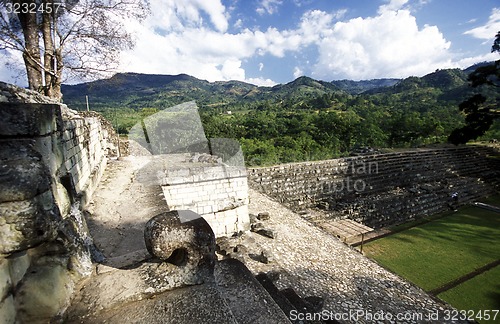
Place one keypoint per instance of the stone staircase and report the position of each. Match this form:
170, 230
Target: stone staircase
385, 189
414, 184
290, 302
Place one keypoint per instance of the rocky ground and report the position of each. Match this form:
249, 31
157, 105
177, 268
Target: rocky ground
294, 253
312, 262
120, 208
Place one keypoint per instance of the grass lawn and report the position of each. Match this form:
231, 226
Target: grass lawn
479, 293
443, 249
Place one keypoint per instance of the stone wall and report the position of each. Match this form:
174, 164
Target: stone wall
217, 192
383, 189
51, 159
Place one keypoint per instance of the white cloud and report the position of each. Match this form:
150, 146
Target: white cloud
268, 6
216, 11
469, 61
11, 69
314, 25
231, 70
300, 3
490, 29
388, 45
297, 72
261, 82
238, 24
202, 52
191, 36
181, 46
177, 14
393, 5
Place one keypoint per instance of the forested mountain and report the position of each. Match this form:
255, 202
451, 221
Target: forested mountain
137, 91
357, 87
305, 119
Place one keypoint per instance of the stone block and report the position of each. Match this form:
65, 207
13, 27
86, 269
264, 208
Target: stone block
68, 165
67, 135
44, 293
27, 223
22, 119
170, 190
18, 265
168, 197
207, 209
263, 216
208, 187
7, 311
68, 125
85, 174
62, 199
187, 201
222, 196
183, 189
219, 229
78, 131
5, 280
67, 148
22, 173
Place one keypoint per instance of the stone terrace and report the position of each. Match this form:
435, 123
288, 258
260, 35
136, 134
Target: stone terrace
46, 250
315, 263
383, 189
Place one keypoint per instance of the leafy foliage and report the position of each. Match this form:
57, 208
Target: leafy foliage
299, 121
481, 109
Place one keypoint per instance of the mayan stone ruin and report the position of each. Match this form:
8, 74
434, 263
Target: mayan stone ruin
89, 234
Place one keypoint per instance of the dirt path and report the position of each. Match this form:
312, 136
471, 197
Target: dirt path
121, 206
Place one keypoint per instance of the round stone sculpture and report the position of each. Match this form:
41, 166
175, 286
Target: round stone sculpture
182, 238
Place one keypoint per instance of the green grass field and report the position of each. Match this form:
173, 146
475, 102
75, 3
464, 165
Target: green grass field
481, 292
446, 248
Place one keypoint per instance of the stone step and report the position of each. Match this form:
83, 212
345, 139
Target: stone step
290, 302
399, 185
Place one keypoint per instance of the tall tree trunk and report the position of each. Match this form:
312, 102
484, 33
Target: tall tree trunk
31, 54
48, 56
57, 78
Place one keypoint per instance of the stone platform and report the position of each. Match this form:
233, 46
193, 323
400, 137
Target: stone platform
120, 296
316, 264
129, 285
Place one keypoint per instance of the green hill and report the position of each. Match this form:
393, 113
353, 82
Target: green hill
357, 87
305, 119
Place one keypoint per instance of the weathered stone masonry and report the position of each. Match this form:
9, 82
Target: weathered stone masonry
383, 189
51, 159
217, 192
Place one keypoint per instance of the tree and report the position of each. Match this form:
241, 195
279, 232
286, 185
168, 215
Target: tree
82, 36
480, 110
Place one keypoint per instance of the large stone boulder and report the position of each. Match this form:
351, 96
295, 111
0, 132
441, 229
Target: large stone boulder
184, 239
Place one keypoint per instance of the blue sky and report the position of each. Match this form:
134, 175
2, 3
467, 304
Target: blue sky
275, 41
